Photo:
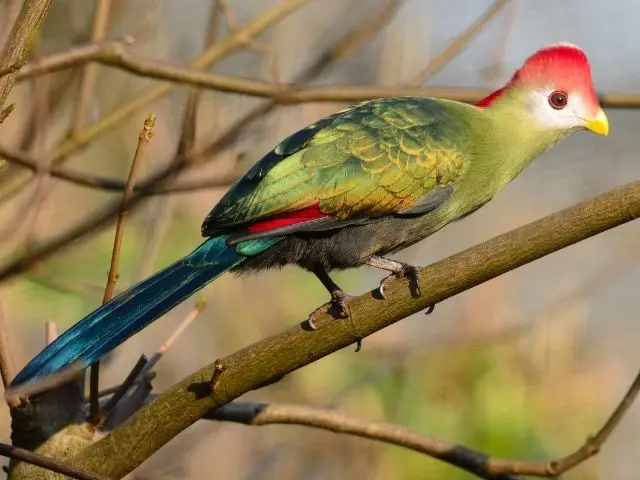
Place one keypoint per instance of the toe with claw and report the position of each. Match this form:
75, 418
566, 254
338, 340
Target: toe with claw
408, 271
339, 305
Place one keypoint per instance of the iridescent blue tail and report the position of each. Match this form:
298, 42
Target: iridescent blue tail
111, 324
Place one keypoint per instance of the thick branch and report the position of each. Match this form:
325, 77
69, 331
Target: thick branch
288, 414
20, 40
269, 360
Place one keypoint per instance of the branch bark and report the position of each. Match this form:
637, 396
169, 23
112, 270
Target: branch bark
20, 40
258, 414
269, 360
114, 53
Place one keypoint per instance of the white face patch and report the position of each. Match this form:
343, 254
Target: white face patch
572, 116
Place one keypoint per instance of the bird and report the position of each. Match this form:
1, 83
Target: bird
353, 188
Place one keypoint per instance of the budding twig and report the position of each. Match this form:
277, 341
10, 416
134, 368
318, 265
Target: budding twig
143, 141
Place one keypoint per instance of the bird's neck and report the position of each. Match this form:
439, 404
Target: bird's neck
516, 139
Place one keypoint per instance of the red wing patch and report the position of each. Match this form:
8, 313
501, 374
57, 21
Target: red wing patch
288, 218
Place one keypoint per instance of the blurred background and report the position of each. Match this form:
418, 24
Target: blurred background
526, 365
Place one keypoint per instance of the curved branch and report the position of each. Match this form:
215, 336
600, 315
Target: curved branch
269, 360
478, 463
258, 414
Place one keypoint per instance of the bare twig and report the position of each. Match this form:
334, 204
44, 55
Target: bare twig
7, 367
590, 447
15, 51
47, 462
460, 43
182, 326
480, 464
87, 81
218, 51
143, 141
50, 382
50, 332
142, 390
257, 414
122, 389
115, 388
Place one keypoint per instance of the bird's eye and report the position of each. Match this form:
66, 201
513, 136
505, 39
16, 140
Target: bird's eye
558, 100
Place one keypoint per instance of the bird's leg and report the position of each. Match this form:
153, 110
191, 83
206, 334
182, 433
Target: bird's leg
339, 299
398, 270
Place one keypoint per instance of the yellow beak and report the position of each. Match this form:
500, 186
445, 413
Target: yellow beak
598, 124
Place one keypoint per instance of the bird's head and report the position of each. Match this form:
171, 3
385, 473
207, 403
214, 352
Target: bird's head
555, 87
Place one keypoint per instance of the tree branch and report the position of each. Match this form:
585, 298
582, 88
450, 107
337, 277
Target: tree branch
114, 53
88, 79
257, 414
460, 42
48, 463
19, 42
7, 367
269, 360
209, 58
480, 464
143, 140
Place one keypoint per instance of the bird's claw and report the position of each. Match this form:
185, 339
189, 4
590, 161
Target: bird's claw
339, 305
408, 271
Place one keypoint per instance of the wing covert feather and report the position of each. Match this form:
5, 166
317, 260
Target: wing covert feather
380, 157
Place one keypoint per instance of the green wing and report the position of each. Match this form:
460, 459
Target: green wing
380, 157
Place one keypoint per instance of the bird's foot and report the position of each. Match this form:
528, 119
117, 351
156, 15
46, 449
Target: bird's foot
339, 305
407, 271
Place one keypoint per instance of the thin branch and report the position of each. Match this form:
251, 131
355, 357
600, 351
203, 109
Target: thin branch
50, 332
179, 330
114, 53
140, 394
115, 388
461, 42
88, 79
348, 44
71, 58
257, 414
49, 463
268, 360
122, 389
143, 141
15, 50
480, 464
590, 447
7, 366
209, 58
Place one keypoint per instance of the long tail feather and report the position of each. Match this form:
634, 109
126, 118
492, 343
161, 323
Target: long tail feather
108, 326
